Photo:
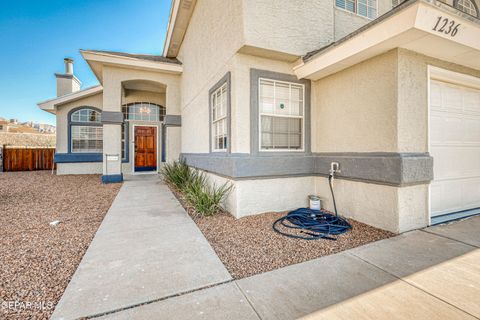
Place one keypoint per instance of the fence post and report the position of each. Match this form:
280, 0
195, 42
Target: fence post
1, 157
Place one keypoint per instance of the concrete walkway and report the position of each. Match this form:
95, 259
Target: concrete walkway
147, 248
151, 262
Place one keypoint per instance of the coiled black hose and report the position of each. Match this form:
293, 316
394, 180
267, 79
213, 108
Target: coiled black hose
314, 224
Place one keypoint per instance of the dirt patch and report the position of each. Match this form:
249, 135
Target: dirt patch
37, 260
249, 246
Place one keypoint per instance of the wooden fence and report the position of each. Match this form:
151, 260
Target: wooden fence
28, 159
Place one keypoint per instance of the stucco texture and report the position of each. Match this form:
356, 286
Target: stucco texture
386, 207
116, 76
355, 110
413, 98
250, 197
113, 78
293, 27
346, 22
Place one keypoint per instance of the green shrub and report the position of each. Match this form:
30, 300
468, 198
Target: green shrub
177, 173
206, 198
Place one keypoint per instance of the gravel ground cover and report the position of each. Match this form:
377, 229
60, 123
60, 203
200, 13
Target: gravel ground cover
249, 246
37, 260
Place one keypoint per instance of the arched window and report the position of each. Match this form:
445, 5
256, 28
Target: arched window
140, 111
467, 6
86, 131
144, 111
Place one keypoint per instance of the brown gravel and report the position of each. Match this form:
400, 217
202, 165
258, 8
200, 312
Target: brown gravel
249, 246
36, 260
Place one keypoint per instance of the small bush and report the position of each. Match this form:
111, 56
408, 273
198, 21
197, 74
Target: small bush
177, 173
206, 198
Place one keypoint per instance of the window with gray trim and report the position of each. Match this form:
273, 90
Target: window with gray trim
281, 115
219, 119
86, 131
364, 8
467, 6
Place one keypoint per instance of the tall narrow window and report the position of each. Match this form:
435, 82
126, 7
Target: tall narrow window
364, 8
281, 115
219, 101
86, 131
467, 6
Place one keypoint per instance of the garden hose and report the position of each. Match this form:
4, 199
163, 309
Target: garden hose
314, 224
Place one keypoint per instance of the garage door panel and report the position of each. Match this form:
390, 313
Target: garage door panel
452, 98
471, 162
471, 101
471, 193
471, 130
437, 128
435, 96
450, 162
455, 147
446, 197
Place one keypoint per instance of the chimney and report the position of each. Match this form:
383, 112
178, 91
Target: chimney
67, 82
68, 66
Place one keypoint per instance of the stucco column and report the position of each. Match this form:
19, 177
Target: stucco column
112, 120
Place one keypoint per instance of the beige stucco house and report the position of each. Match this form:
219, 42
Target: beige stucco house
267, 94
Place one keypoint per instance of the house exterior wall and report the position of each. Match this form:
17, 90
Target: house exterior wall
62, 136
412, 93
79, 168
62, 118
386, 207
346, 22
355, 110
249, 197
118, 75
214, 35
113, 77
292, 27
362, 119
144, 96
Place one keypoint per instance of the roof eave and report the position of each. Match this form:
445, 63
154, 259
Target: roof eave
96, 61
51, 104
180, 14
403, 29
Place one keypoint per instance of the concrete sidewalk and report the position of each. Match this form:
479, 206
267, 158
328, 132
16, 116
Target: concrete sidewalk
150, 261
429, 274
147, 248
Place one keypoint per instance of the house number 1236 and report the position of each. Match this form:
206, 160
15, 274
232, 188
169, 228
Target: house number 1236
446, 26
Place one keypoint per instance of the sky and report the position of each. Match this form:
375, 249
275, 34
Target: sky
35, 37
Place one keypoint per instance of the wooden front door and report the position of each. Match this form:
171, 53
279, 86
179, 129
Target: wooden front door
145, 148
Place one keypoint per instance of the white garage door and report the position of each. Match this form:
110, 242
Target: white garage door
455, 147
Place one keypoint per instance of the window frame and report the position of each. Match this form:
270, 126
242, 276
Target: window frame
72, 123
125, 130
255, 74
224, 118
225, 81
473, 3
260, 114
355, 12
162, 111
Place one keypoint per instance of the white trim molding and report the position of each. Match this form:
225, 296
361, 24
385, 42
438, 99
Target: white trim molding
49, 105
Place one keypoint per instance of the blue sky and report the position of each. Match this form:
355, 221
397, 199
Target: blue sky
37, 35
